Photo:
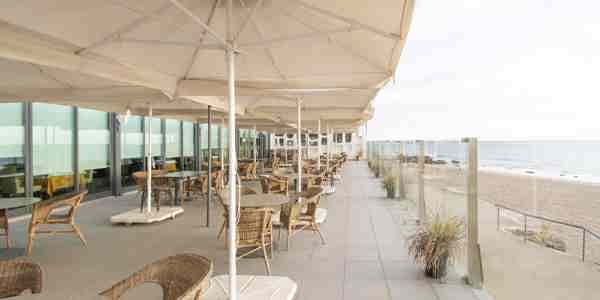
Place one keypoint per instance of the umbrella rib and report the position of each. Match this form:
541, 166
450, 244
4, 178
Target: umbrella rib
248, 18
350, 21
127, 28
197, 50
346, 48
198, 21
267, 49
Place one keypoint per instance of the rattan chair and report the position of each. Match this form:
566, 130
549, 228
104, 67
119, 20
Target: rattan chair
42, 215
294, 219
274, 184
255, 231
182, 277
159, 186
17, 276
4, 226
244, 190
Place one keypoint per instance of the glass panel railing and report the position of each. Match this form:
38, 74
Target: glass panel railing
538, 210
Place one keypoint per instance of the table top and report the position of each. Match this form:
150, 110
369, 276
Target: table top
261, 200
183, 174
6, 203
252, 287
11, 253
293, 174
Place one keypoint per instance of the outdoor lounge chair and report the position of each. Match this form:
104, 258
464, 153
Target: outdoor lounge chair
182, 277
255, 231
42, 214
19, 275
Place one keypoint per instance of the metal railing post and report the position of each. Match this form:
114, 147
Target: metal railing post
498, 219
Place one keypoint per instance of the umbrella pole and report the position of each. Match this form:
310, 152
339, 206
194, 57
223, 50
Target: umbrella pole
233, 293
149, 161
209, 172
329, 141
319, 145
254, 152
299, 135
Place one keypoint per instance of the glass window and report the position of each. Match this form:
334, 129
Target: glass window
339, 138
173, 145
52, 149
132, 149
12, 163
214, 141
157, 139
94, 150
189, 161
348, 137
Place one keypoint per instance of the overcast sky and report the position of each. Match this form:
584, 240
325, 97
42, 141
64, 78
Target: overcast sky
512, 69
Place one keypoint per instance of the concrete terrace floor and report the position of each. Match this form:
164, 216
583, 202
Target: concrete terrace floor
365, 256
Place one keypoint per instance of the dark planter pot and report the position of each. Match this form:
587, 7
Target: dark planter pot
391, 194
441, 272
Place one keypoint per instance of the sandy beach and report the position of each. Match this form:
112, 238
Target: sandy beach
514, 269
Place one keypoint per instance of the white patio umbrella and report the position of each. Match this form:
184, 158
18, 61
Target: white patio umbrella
284, 49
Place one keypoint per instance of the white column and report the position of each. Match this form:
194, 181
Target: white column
299, 137
222, 144
149, 161
233, 292
319, 145
285, 148
329, 141
254, 150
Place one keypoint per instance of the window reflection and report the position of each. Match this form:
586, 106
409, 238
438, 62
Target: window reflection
53, 150
94, 150
12, 163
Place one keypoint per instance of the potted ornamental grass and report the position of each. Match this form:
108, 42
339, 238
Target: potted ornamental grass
436, 244
389, 185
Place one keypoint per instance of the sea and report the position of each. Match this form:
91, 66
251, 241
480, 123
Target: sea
569, 160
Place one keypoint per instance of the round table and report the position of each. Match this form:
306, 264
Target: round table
8, 203
261, 200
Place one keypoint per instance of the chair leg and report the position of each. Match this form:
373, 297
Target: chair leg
78, 232
289, 234
157, 200
30, 239
266, 256
222, 229
142, 201
318, 230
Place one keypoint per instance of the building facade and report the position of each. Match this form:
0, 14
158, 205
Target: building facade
48, 150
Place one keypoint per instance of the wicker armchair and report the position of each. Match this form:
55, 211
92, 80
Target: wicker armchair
255, 231
159, 186
42, 215
294, 220
182, 277
197, 186
244, 190
274, 184
4, 226
18, 275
